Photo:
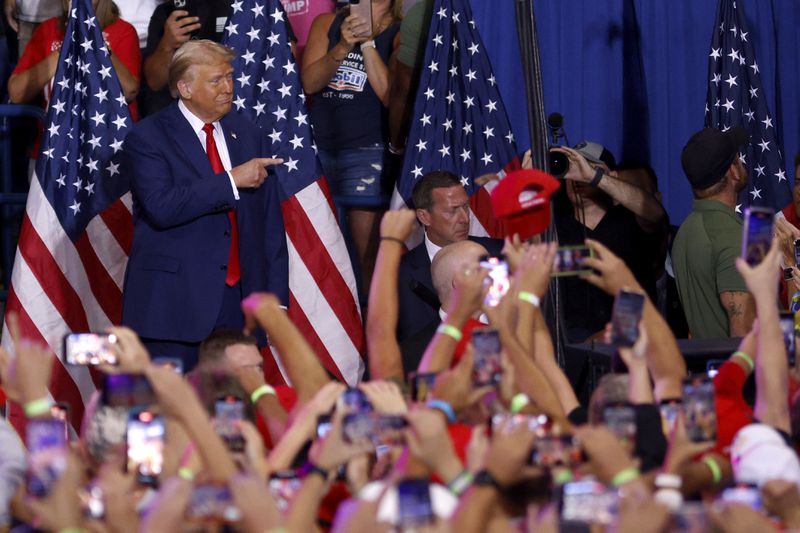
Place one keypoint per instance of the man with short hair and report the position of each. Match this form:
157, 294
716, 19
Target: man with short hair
208, 227
713, 294
442, 207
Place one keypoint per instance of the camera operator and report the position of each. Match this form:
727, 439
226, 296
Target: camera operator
627, 219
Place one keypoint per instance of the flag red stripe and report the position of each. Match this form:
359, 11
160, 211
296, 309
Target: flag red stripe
61, 386
272, 374
103, 286
51, 278
120, 223
323, 270
301, 321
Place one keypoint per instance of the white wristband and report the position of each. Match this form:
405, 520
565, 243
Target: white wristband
367, 44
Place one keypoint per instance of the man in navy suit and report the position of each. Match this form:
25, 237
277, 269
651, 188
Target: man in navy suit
208, 228
442, 207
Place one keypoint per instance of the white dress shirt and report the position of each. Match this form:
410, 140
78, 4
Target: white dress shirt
219, 139
432, 249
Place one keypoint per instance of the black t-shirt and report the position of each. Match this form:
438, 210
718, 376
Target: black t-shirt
213, 16
587, 309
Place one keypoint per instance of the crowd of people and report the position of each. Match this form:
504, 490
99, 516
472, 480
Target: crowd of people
466, 420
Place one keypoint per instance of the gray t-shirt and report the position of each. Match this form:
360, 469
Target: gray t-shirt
38, 10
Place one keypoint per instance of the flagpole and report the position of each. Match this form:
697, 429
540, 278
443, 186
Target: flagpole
537, 124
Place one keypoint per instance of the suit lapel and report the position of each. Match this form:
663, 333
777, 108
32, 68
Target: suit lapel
233, 140
187, 142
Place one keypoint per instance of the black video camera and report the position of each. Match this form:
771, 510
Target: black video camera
558, 162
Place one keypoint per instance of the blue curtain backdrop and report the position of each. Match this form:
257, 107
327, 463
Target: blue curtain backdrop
632, 74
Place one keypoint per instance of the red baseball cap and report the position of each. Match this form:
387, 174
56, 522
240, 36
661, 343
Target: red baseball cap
522, 201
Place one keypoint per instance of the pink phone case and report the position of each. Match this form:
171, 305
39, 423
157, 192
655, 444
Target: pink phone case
364, 10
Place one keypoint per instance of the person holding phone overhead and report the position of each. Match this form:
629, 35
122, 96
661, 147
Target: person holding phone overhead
704, 253
346, 69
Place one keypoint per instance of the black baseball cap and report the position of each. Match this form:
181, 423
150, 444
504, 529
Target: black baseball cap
709, 153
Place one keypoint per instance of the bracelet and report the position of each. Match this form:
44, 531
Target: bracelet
518, 403
716, 471
395, 150
744, 356
368, 44
450, 331
263, 390
461, 483
186, 473
37, 407
529, 297
597, 177
444, 407
668, 481
625, 475
672, 499
394, 239
311, 468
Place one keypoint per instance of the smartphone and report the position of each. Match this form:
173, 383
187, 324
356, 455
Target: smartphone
171, 363
498, 274
757, 234
787, 329
743, 493
699, 409
557, 450
145, 439
61, 411
421, 385
670, 409
47, 454
588, 501
354, 400
363, 8
621, 420
569, 261
127, 390
228, 416
323, 426
506, 422
212, 504
414, 508
283, 485
387, 430
625, 317
487, 369
90, 349
712, 367
788, 274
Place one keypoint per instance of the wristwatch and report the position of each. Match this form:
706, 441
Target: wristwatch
484, 479
367, 44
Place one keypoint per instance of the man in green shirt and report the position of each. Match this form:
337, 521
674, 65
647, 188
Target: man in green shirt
704, 253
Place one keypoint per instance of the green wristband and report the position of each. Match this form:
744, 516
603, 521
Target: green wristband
716, 471
529, 297
747, 359
563, 477
37, 407
450, 331
72, 530
625, 475
186, 473
518, 403
263, 390
461, 483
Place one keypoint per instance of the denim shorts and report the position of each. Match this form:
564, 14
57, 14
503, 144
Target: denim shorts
355, 171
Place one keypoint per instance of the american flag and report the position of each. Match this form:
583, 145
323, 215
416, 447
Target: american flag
459, 122
77, 230
736, 98
322, 288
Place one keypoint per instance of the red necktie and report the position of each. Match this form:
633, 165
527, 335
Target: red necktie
216, 164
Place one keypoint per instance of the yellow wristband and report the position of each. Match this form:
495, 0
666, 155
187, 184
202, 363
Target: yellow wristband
625, 475
450, 331
746, 358
518, 403
263, 390
716, 471
186, 473
529, 297
37, 407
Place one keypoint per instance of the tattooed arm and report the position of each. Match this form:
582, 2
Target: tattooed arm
741, 311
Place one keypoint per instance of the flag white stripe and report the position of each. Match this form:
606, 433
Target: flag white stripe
109, 252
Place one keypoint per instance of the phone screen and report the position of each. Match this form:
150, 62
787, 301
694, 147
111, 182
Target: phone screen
589, 501
788, 332
557, 450
228, 416
757, 237
487, 369
670, 409
90, 349
355, 400
212, 504
569, 261
506, 422
127, 390
47, 454
421, 385
60, 411
171, 363
621, 420
381, 430
743, 493
498, 274
699, 409
625, 317
283, 485
145, 435
414, 503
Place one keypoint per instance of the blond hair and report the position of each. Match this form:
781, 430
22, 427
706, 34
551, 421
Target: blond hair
199, 52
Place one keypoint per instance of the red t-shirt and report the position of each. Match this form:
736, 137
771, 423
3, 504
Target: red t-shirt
733, 412
120, 37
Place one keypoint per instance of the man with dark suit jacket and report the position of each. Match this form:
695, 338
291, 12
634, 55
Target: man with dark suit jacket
442, 207
208, 227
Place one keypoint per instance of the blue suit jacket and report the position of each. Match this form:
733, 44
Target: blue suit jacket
176, 271
417, 299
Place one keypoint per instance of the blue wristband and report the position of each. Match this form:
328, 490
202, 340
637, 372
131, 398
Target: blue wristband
444, 407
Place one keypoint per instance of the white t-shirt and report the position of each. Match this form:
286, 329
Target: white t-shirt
138, 13
38, 10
